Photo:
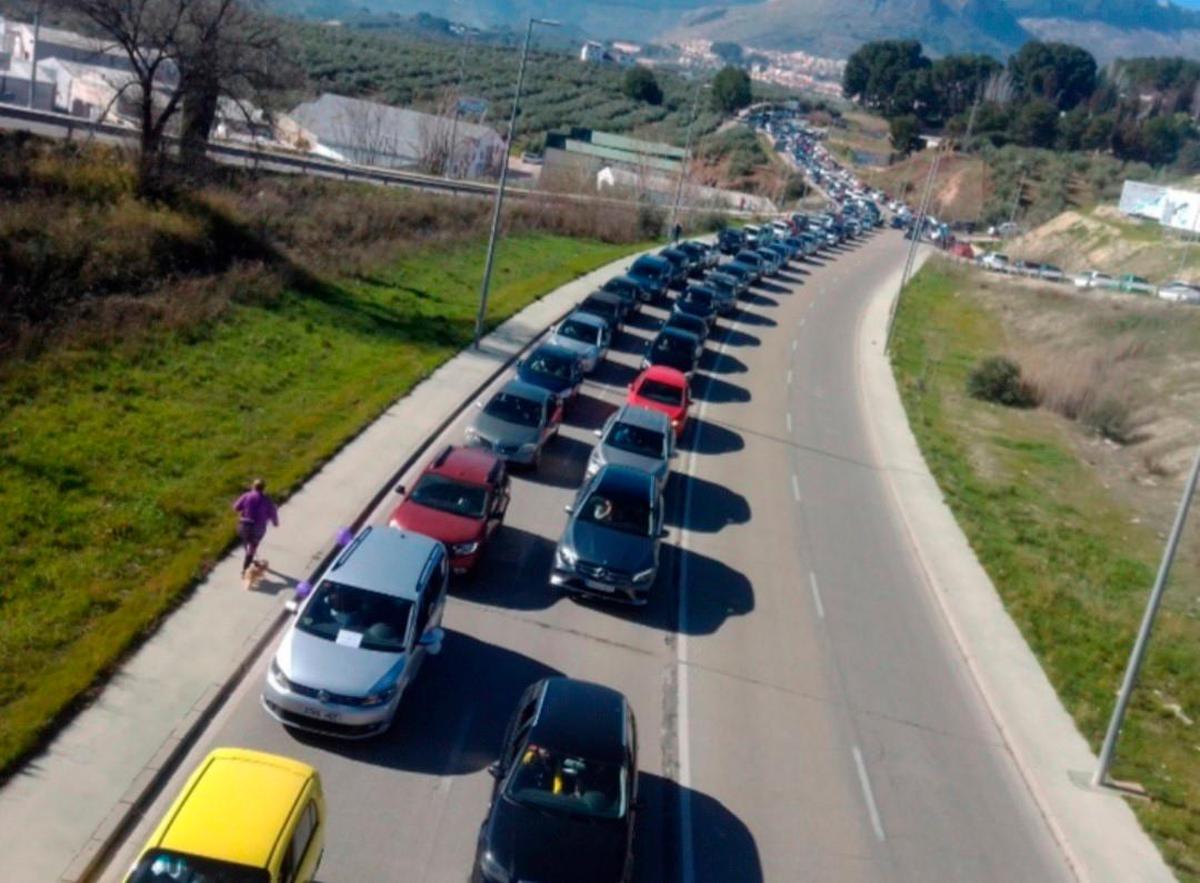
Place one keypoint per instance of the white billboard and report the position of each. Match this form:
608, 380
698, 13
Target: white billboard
1171, 207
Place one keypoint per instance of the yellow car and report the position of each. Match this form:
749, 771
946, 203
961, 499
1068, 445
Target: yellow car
243, 817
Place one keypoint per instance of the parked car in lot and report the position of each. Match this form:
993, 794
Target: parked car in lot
662, 388
638, 437
681, 266
612, 308
242, 816
516, 422
1180, 291
753, 260
743, 273
994, 261
1132, 284
629, 290
699, 301
725, 289
730, 241
689, 323
554, 368
771, 262
704, 256
784, 252
1094, 279
674, 348
585, 334
459, 500
359, 639
564, 802
610, 546
651, 273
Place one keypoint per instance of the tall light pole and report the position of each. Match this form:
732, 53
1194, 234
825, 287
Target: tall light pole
33, 61
462, 71
512, 128
687, 155
1138, 654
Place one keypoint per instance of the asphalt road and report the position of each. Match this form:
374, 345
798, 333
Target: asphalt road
802, 709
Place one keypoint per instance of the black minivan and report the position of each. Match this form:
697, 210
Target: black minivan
565, 796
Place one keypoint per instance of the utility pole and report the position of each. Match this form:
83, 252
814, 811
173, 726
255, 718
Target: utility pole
512, 128
462, 70
1138, 654
687, 157
917, 228
37, 45
1012, 216
1189, 240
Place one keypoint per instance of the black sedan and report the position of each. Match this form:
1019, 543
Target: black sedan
675, 349
565, 796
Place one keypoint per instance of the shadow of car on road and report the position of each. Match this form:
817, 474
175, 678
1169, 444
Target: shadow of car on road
452, 718
707, 388
712, 506
618, 375
588, 412
758, 300
514, 573
564, 460
722, 849
721, 363
707, 437
748, 318
733, 337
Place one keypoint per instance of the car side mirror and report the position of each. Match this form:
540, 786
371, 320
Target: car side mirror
663, 533
569, 509
495, 769
479, 403
599, 433
432, 641
291, 606
401, 490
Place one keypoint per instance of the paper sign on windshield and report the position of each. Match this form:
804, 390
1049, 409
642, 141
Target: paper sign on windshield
348, 638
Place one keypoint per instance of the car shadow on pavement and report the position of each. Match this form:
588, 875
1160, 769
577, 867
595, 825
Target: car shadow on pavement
628, 342
733, 337
772, 287
644, 321
614, 374
721, 363
758, 300
717, 391
452, 718
793, 277
588, 411
709, 438
713, 506
564, 460
723, 848
748, 318
514, 573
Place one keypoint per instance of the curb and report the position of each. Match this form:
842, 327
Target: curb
95, 856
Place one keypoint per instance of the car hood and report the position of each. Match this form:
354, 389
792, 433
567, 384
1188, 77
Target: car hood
496, 430
617, 457
327, 665
445, 527
545, 381
672, 411
543, 847
582, 347
610, 548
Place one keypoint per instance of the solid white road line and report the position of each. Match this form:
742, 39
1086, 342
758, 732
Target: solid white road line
872, 809
795, 487
794, 345
816, 593
789, 422
789, 377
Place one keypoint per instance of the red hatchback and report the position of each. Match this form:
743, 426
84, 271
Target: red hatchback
660, 388
460, 499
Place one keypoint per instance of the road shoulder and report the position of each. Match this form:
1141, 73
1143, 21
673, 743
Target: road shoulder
1097, 831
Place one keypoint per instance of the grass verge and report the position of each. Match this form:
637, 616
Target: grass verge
117, 462
1070, 562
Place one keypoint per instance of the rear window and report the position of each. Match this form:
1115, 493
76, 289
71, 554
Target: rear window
663, 393
647, 267
165, 866
637, 440
599, 307
577, 330
356, 618
449, 495
551, 364
514, 409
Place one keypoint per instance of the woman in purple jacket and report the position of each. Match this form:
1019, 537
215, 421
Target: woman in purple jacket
254, 509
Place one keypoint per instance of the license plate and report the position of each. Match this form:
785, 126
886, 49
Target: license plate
321, 714
598, 586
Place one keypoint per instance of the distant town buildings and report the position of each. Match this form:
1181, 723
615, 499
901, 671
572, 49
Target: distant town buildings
597, 53
796, 70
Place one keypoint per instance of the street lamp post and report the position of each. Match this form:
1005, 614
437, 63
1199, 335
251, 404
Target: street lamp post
512, 128
687, 156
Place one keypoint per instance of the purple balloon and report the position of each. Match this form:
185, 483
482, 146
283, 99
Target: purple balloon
344, 536
303, 590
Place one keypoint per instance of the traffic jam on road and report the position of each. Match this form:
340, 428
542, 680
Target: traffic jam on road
565, 789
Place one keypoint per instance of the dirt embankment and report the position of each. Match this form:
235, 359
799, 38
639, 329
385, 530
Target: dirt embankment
960, 190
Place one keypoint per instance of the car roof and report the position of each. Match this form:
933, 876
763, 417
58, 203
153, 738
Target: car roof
521, 389
553, 349
666, 374
467, 464
604, 296
642, 417
653, 259
581, 718
627, 479
390, 562
587, 319
676, 332
236, 806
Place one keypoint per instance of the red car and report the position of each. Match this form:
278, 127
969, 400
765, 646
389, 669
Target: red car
460, 499
660, 388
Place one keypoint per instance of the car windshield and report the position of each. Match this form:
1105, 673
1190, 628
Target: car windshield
628, 514
636, 440
447, 495
577, 330
648, 268
685, 322
514, 409
546, 779
748, 257
550, 364
700, 298
663, 393
619, 286
673, 345
167, 866
599, 307
356, 617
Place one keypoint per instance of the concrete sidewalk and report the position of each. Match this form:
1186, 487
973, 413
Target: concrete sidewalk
1098, 831
61, 810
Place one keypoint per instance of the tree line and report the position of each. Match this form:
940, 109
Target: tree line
1051, 95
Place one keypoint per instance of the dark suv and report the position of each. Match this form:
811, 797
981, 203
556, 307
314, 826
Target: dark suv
609, 548
652, 273
565, 797
730, 241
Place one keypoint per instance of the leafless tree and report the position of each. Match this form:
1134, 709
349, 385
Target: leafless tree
437, 134
999, 87
363, 127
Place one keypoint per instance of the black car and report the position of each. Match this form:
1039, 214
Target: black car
652, 273
752, 260
681, 265
699, 253
744, 273
609, 548
608, 306
629, 290
553, 368
698, 301
675, 349
689, 323
565, 796
730, 241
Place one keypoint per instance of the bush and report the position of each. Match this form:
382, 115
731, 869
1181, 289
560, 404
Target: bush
998, 380
641, 85
1111, 417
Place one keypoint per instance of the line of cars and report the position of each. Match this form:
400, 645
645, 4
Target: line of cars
1179, 290
566, 775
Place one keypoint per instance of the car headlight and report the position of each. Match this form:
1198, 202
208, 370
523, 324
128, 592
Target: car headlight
567, 556
464, 548
645, 575
527, 448
593, 465
493, 871
379, 697
279, 677
472, 434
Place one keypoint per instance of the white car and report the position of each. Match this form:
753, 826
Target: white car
1180, 292
1094, 279
1051, 273
994, 261
584, 334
